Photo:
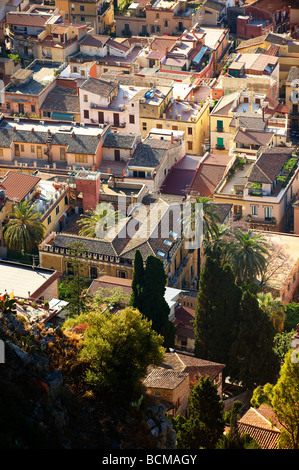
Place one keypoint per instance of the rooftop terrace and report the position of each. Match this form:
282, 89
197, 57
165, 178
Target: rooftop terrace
42, 74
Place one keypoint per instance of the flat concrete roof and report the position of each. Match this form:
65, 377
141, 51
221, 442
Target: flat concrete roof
21, 279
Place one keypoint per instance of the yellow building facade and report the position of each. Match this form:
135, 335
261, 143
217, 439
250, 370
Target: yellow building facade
170, 116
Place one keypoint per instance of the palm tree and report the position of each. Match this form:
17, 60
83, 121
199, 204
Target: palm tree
273, 308
247, 254
217, 245
24, 230
210, 216
96, 222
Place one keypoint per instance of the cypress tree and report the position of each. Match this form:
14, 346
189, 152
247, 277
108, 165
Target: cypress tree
217, 312
148, 291
136, 299
252, 353
155, 307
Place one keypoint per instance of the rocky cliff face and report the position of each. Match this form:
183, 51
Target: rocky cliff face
45, 404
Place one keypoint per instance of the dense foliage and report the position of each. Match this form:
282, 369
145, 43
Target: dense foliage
205, 425
283, 398
148, 295
117, 349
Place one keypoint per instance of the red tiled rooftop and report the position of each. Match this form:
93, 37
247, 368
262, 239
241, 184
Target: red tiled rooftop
209, 174
258, 424
184, 315
167, 379
27, 19
160, 43
17, 185
111, 282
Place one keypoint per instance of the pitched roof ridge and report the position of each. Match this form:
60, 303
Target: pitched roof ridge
262, 171
265, 419
184, 365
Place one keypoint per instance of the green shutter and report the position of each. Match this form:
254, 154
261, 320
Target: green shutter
219, 142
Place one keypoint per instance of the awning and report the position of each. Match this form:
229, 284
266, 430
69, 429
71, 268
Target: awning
62, 117
200, 55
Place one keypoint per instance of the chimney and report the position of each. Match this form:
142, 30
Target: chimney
172, 137
32, 130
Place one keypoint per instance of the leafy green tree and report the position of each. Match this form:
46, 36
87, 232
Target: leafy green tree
111, 298
95, 223
138, 282
24, 230
73, 288
232, 439
217, 312
252, 355
205, 425
282, 344
248, 253
273, 308
292, 316
117, 350
283, 398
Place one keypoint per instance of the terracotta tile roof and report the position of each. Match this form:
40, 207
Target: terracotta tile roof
275, 39
167, 379
27, 19
160, 43
196, 368
94, 40
273, 5
60, 29
253, 138
257, 423
184, 315
269, 165
273, 50
117, 45
110, 282
282, 108
156, 55
209, 174
97, 86
251, 42
17, 185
